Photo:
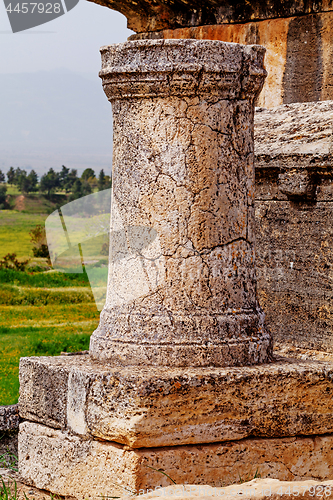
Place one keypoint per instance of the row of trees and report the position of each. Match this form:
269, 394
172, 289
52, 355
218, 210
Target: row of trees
66, 180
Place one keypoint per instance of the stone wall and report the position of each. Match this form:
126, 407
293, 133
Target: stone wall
294, 214
299, 58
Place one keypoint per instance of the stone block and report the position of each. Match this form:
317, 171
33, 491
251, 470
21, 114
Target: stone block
294, 262
167, 407
152, 17
72, 466
294, 129
9, 423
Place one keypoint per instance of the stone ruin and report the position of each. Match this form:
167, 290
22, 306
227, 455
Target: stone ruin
181, 376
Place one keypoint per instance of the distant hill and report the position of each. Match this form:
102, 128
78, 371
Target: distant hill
52, 118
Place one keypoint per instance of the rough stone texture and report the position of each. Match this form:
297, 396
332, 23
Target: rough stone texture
299, 58
256, 489
58, 462
294, 129
9, 417
8, 443
287, 350
9, 423
182, 286
148, 15
153, 407
294, 233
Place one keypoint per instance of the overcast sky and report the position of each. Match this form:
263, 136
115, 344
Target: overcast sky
71, 41
52, 107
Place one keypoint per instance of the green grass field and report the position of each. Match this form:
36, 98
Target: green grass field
45, 331
41, 313
14, 232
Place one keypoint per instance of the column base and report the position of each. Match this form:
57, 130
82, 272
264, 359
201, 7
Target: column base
237, 353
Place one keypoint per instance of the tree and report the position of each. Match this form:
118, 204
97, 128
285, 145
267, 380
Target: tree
2, 176
49, 182
101, 180
87, 174
3, 202
33, 180
63, 175
11, 175
17, 176
26, 183
104, 181
38, 237
80, 189
108, 182
67, 178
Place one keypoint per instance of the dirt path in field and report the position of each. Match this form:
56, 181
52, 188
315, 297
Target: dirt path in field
19, 203
54, 289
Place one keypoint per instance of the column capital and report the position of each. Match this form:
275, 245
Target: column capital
182, 68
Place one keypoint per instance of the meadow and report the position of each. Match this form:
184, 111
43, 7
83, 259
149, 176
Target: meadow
42, 312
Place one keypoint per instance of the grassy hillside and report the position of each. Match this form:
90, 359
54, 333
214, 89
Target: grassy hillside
42, 312
34, 203
36, 320
37, 331
14, 232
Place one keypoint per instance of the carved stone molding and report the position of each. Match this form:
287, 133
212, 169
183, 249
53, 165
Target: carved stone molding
184, 68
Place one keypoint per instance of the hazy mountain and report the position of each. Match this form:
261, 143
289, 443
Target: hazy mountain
52, 118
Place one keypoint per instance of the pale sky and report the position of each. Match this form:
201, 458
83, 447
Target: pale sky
71, 41
49, 118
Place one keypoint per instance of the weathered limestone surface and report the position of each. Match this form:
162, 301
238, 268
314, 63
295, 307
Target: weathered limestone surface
9, 417
256, 489
297, 36
182, 286
300, 129
8, 442
158, 407
294, 214
56, 461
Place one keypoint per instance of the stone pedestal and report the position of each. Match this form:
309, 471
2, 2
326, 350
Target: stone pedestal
92, 430
182, 285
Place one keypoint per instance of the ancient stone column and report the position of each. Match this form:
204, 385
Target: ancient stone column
182, 284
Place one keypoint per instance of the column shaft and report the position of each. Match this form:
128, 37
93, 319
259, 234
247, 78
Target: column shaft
182, 284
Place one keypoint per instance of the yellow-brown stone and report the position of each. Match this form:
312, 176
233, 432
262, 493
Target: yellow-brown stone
71, 466
153, 407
